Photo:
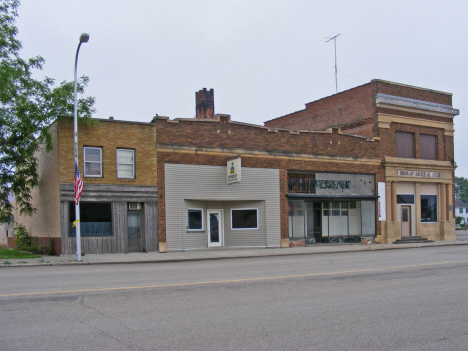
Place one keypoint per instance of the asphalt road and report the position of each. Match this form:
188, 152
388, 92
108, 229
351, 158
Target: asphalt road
412, 299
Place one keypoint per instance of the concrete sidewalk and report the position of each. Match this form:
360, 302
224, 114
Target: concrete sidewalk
212, 254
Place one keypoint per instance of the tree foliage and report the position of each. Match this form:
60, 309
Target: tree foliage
27, 109
461, 189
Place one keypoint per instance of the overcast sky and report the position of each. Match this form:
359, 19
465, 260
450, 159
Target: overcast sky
263, 59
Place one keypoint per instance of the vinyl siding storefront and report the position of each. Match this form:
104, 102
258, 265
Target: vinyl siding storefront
204, 189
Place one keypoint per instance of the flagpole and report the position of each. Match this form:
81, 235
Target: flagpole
83, 39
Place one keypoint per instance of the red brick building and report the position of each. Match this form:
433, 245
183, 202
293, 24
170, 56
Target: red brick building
415, 130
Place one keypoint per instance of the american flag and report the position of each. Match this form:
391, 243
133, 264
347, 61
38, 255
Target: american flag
78, 185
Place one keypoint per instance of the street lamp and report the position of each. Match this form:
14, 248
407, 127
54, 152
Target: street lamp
83, 39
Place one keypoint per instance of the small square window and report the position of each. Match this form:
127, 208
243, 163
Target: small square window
125, 163
92, 161
195, 219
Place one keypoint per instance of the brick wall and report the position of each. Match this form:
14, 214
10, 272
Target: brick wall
110, 135
388, 142
340, 109
207, 143
411, 92
356, 106
231, 135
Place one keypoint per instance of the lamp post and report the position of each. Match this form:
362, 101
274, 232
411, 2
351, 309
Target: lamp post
83, 39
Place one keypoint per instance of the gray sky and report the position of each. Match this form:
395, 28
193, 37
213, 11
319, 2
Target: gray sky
263, 58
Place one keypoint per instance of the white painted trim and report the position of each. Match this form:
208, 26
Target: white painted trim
237, 209
220, 226
84, 162
202, 218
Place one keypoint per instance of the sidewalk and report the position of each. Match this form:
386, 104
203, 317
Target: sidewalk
212, 254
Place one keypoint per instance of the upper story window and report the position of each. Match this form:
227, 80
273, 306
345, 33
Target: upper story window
404, 144
301, 183
92, 161
428, 146
125, 163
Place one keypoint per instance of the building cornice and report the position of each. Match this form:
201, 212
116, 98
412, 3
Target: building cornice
418, 164
412, 105
265, 154
384, 120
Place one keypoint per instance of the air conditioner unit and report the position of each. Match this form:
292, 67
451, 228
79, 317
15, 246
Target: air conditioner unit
134, 206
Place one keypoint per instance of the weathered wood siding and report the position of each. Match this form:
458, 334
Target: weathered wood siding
119, 196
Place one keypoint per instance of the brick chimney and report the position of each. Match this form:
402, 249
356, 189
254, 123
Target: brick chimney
205, 104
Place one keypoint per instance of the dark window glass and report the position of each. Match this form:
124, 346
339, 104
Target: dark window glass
428, 208
326, 213
195, 221
95, 219
405, 215
335, 212
310, 185
352, 204
428, 146
404, 144
301, 183
292, 183
335, 204
244, 219
405, 199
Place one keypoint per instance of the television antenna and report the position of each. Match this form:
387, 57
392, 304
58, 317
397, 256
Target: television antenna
336, 71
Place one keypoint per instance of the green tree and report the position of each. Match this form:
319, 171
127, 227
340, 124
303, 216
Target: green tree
27, 109
461, 189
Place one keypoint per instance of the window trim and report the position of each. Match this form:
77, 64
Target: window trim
117, 163
244, 209
84, 162
202, 219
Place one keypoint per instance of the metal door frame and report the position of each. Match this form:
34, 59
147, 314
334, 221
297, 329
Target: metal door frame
220, 226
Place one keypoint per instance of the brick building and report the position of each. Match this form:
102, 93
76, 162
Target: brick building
415, 129
371, 163
117, 162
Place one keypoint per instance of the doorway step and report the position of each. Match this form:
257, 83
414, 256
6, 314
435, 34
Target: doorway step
412, 239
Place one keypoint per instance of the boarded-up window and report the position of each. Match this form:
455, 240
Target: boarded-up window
428, 147
404, 145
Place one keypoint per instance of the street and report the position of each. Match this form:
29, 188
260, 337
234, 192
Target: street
409, 299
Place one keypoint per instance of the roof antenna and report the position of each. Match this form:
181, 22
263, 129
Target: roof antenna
336, 76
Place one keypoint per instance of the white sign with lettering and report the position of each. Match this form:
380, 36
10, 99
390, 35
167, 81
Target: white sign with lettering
421, 174
382, 201
234, 171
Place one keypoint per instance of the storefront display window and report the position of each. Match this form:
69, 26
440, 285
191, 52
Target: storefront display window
428, 208
95, 219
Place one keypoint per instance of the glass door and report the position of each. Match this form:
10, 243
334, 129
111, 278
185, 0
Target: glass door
215, 228
134, 231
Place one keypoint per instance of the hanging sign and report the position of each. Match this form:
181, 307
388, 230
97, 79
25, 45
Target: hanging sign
234, 171
382, 202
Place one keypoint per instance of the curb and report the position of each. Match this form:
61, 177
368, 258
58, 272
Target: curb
373, 247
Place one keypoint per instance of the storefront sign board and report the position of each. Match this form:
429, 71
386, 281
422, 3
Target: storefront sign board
234, 171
